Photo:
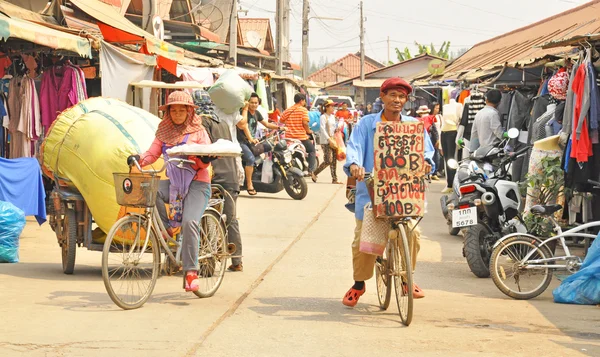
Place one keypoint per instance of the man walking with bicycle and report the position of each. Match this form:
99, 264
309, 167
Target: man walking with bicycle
394, 94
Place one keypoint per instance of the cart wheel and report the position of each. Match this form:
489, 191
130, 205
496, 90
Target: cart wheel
70, 242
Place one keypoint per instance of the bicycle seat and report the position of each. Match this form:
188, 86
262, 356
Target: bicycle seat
545, 210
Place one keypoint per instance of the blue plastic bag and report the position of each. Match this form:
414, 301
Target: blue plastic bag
583, 287
314, 121
12, 222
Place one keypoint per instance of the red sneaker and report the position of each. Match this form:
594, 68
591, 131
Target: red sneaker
352, 296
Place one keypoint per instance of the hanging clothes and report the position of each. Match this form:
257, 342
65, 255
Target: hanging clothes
581, 148
62, 87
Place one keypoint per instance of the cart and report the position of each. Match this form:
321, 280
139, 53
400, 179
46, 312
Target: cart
66, 209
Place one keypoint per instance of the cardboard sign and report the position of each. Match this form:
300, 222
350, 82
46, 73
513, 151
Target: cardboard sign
399, 174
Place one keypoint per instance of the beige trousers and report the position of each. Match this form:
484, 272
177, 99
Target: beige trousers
364, 264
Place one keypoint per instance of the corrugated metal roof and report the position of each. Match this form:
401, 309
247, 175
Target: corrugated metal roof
260, 26
345, 67
520, 46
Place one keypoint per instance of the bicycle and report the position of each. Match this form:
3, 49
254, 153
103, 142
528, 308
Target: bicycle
396, 264
138, 239
518, 256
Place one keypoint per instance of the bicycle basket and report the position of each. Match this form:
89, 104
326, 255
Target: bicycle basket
136, 190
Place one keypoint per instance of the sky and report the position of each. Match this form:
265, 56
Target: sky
463, 22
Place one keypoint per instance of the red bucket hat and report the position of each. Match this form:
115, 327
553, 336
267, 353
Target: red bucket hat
178, 97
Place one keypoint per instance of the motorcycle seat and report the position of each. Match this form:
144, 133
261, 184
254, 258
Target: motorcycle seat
545, 210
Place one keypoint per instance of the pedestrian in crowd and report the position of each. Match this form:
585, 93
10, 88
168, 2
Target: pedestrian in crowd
325, 138
487, 128
344, 114
428, 122
189, 193
377, 106
296, 122
361, 110
369, 109
360, 159
246, 135
437, 121
275, 116
224, 174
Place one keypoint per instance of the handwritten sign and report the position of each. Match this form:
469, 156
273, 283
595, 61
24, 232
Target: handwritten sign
399, 175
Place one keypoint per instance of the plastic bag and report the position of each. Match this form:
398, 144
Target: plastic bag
12, 222
341, 147
230, 92
267, 171
583, 287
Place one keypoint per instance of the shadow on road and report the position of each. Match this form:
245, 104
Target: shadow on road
52, 271
326, 310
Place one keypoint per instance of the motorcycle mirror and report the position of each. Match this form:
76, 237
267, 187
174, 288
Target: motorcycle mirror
513, 133
453, 164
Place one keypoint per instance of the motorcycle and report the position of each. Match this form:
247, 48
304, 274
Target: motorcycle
485, 158
284, 175
299, 154
488, 206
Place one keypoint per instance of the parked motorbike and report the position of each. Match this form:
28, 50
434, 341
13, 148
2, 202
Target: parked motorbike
284, 175
488, 206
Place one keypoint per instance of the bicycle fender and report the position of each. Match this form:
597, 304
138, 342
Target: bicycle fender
539, 241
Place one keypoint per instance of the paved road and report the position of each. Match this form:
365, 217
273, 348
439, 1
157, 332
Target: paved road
287, 302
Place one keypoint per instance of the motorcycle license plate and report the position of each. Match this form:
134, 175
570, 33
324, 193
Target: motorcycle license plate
464, 217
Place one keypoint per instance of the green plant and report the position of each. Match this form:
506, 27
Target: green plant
545, 188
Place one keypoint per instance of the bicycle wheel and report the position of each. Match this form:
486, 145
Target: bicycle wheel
130, 265
383, 279
402, 273
512, 276
212, 255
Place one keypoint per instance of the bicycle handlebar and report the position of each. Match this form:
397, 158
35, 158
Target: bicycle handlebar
178, 160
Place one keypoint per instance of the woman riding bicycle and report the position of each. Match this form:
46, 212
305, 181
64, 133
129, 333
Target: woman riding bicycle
188, 185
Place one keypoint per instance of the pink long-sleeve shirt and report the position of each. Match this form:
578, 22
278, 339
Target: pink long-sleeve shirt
199, 137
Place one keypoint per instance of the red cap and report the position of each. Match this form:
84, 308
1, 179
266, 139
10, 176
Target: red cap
396, 83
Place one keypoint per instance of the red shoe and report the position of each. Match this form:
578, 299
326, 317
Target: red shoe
192, 283
352, 296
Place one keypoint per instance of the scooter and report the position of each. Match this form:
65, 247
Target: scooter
299, 154
488, 208
284, 175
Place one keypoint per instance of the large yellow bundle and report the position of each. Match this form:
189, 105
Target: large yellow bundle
90, 141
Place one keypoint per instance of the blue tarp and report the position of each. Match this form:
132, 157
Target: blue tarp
583, 287
21, 184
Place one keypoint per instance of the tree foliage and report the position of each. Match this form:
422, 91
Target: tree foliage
443, 52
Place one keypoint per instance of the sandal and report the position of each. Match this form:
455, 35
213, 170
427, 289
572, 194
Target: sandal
252, 192
417, 292
352, 296
313, 177
336, 182
191, 282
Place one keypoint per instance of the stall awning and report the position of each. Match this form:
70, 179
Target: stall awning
44, 36
203, 47
116, 28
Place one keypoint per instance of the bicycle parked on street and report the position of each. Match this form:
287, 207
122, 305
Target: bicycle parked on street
132, 251
522, 265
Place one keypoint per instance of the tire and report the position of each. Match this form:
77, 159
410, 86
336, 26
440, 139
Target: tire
403, 275
451, 230
213, 242
507, 251
130, 271
383, 279
69, 245
295, 186
477, 258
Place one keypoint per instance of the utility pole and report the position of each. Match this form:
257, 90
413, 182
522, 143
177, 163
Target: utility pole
280, 42
305, 61
362, 43
233, 23
388, 42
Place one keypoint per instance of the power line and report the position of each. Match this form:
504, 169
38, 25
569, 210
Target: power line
485, 11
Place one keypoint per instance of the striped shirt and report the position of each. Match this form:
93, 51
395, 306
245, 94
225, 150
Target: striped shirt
294, 119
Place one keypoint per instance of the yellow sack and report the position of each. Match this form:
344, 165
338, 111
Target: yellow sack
90, 141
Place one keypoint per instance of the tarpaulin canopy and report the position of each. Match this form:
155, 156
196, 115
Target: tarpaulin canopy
116, 28
42, 35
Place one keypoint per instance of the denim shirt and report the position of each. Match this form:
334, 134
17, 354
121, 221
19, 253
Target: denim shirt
361, 151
